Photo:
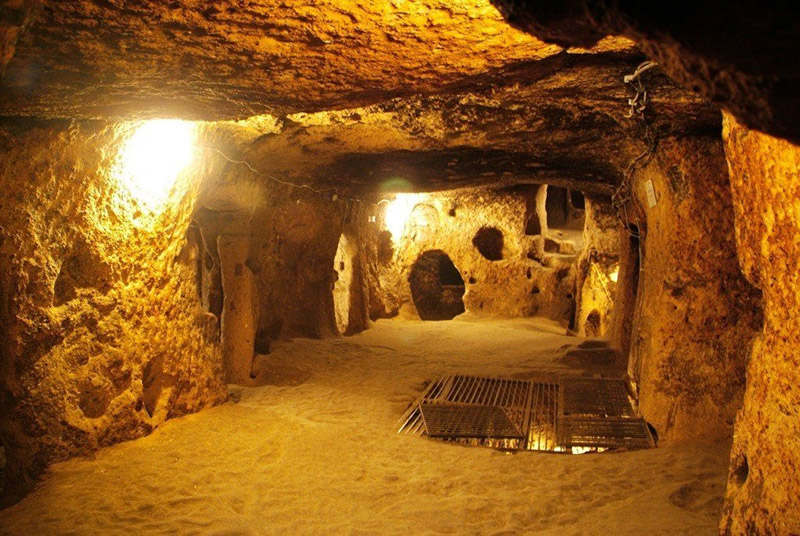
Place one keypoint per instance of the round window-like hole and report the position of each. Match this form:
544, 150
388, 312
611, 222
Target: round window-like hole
742, 469
489, 241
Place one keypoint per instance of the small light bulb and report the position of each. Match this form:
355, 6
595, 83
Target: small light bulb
153, 156
614, 274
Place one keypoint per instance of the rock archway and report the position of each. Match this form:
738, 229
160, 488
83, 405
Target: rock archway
437, 287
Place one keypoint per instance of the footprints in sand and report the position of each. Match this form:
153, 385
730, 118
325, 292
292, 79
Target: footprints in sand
701, 496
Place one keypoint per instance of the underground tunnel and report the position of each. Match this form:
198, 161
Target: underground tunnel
391, 267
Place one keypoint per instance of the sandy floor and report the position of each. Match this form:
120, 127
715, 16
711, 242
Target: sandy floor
317, 454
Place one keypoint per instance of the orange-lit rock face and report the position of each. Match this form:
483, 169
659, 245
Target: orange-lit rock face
598, 270
544, 130
15, 17
225, 59
498, 267
696, 314
763, 483
103, 334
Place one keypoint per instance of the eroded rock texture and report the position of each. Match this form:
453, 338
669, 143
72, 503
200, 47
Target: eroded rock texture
741, 57
763, 483
103, 333
545, 130
278, 248
500, 265
113, 321
225, 59
695, 314
598, 271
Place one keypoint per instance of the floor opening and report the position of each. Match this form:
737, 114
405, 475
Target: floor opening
568, 415
437, 288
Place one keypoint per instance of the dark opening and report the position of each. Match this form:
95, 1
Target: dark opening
634, 245
448, 273
263, 342
437, 287
533, 226
741, 471
556, 206
653, 432
489, 241
578, 201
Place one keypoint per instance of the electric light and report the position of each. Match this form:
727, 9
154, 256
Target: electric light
398, 211
153, 157
614, 274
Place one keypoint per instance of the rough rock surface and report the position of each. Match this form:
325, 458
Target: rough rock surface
741, 57
508, 274
596, 289
15, 18
102, 335
286, 256
234, 59
696, 315
543, 130
763, 482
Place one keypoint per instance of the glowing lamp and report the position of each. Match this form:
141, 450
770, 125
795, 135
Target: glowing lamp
153, 156
398, 211
614, 274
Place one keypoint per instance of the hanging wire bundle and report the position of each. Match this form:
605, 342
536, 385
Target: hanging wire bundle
637, 110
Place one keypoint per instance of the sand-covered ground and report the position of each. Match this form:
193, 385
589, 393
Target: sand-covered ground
315, 452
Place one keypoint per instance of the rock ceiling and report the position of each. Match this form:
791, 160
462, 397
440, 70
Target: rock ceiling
442, 93
739, 55
234, 59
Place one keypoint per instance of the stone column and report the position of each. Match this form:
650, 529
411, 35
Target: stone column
238, 311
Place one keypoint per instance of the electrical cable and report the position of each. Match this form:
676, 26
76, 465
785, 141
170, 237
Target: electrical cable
623, 196
320, 191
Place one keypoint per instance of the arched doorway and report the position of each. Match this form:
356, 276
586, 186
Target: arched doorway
343, 265
437, 287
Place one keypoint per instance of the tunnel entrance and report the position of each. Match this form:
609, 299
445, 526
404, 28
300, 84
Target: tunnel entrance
437, 288
557, 208
343, 266
565, 208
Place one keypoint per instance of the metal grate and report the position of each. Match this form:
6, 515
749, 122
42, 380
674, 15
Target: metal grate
546, 414
595, 397
605, 432
475, 407
451, 421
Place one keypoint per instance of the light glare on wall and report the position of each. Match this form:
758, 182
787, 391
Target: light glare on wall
153, 156
398, 211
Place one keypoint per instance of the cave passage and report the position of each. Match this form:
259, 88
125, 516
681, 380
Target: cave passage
242, 244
